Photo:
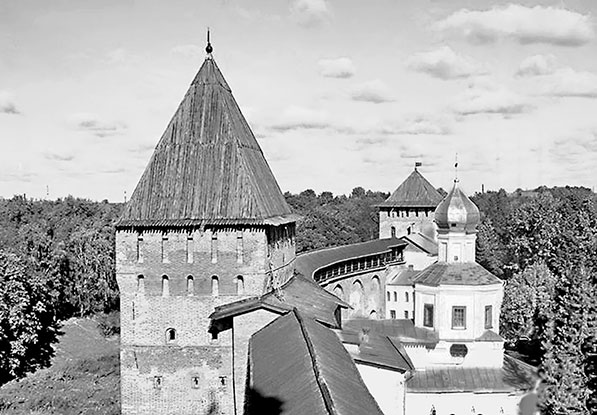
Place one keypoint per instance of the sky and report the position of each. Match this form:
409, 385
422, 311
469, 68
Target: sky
339, 93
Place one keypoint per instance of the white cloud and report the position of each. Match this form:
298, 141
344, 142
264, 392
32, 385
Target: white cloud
295, 118
525, 25
310, 12
96, 125
444, 63
7, 104
490, 98
537, 65
336, 68
374, 91
425, 124
567, 82
189, 51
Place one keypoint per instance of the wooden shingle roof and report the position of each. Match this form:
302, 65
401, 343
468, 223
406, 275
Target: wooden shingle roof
207, 167
415, 191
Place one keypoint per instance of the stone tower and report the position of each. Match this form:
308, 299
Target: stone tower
409, 209
206, 225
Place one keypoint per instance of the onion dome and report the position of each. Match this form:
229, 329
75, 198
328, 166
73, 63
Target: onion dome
457, 212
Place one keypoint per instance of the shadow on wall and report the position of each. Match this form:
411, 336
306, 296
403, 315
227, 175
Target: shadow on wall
257, 404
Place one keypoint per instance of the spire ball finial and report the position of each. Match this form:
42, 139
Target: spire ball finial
209, 49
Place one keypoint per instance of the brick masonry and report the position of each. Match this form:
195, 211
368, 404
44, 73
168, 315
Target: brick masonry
168, 285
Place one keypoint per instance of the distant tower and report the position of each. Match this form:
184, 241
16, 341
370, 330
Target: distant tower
206, 225
410, 208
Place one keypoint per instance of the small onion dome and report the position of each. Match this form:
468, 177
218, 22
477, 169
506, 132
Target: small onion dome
457, 212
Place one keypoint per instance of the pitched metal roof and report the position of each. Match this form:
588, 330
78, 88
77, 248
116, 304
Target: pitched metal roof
299, 292
489, 336
422, 242
208, 165
513, 376
309, 262
415, 191
402, 277
402, 330
469, 273
303, 365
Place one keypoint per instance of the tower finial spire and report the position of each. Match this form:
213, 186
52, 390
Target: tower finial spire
209, 49
456, 169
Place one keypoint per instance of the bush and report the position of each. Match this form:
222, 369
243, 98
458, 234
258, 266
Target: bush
109, 324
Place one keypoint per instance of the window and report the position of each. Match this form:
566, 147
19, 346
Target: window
406, 297
190, 285
239, 247
458, 317
406, 314
190, 248
165, 286
164, 242
157, 382
373, 315
139, 248
393, 232
393, 314
396, 296
458, 350
215, 286
240, 285
389, 295
214, 247
170, 335
428, 315
140, 284
195, 382
488, 317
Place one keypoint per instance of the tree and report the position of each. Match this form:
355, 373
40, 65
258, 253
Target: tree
489, 251
28, 324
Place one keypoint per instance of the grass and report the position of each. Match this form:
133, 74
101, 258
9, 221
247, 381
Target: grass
84, 377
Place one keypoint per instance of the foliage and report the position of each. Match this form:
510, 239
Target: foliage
109, 324
28, 324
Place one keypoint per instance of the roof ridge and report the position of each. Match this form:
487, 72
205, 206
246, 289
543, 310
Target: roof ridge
321, 383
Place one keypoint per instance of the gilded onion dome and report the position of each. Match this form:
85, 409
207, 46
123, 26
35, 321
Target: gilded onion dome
457, 212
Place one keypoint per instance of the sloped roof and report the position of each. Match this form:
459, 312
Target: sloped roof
377, 350
399, 329
489, 336
309, 262
303, 366
403, 277
469, 273
415, 191
422, 242
513, 376
299, 292
208, 165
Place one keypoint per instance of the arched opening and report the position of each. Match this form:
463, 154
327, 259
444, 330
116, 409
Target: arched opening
240, 285
165, 286
215, 286
376, 284
339, 291
141, 284
170, 335
190, 285
393, 232
356, 297
373, 315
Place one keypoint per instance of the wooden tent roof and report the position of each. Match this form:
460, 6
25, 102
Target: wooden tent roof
207, 167
415, 191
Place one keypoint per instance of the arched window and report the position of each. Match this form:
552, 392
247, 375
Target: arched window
376, 284
338, 291
373, 315
165, 286
356, 297
215, 286
393, 232
190, 285
388, 293
170, 335
406, 296
141, 284
240, 285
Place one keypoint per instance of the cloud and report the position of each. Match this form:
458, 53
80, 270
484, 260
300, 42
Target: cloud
58, 157
537, 65
576, 150
551, 25
310, 12
444, 63
424, 124
375, 91
96, 126
336, 68
487, 98
188, 51
7, 105
296, 118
